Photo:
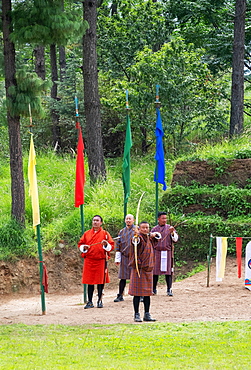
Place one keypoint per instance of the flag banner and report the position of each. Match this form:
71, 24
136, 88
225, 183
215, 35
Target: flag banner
248, 266
238, 242
159, 175
126, 167
221, 254
80, 171
33, 189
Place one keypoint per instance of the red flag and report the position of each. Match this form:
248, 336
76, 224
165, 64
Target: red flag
238, 255
80, 172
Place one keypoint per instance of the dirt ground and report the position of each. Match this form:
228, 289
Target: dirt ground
192, 301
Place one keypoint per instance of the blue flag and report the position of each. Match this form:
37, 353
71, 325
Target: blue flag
159, 175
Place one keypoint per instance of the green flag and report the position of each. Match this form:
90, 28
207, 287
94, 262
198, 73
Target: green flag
126, 168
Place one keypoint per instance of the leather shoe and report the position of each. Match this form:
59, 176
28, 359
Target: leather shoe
99, 304
148, 317
137, 317
119, 298
89, 305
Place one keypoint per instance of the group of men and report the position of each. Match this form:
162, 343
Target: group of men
142, 255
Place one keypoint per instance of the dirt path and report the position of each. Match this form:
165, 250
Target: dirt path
192, 301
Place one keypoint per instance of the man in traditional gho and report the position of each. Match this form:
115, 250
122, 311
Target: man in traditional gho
95, 246
163, 252
122, 248
142, 263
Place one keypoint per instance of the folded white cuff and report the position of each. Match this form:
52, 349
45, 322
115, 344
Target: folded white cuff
81, 248
175, 236
117, 257
107, 247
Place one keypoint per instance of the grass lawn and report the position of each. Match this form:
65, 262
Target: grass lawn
207, 345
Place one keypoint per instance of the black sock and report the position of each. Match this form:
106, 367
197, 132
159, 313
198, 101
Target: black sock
155, 281
169, 281
90, 290
122, 285
136, 301
147, 303
100, 291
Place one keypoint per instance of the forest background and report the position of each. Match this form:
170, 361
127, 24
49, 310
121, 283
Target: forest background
185, 47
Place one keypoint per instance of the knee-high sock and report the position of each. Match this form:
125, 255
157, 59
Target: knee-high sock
136, 301
147, 302
169, 281
100, 291
122, 285
155, 281
90, 290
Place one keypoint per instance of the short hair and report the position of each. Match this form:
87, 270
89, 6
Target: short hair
101, 219
143, 222
161, 214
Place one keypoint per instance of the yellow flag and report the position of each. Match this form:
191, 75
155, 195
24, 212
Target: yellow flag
33, 190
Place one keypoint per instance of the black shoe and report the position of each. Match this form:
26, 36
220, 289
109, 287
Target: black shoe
119, 298
170, 293
99, 304
137, 317
89, 305
141, 299
154, 291
148, 317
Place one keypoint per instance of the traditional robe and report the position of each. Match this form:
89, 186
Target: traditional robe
143, 285
95, 259
164, 249
123, 245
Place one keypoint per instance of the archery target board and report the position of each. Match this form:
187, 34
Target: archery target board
248, 266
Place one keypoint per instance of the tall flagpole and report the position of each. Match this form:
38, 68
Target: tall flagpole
81, 205
32, 177
126, 167
127, 116
157, 106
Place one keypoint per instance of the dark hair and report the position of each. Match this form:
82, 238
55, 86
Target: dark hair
161, 214
143, 222
101, 219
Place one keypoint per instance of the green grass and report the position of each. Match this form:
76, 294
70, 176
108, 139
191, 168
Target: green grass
209, 345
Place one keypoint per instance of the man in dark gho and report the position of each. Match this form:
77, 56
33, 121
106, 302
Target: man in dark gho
141, 279
163, 252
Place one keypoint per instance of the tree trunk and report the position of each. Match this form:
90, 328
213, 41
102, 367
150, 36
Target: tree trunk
16, 161
62, 63
54, 91
39, 62
237, 92
91, 96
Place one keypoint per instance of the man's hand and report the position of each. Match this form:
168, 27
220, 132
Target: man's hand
156, 235
106, 246
83, 248
171, 229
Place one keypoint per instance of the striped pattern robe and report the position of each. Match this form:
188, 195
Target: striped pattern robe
123, 246
164, 244
143, 285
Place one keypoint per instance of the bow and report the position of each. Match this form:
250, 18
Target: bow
135, 238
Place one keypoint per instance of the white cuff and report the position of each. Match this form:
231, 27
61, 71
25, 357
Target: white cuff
81, 248
175, 236
117, 257
107, 247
